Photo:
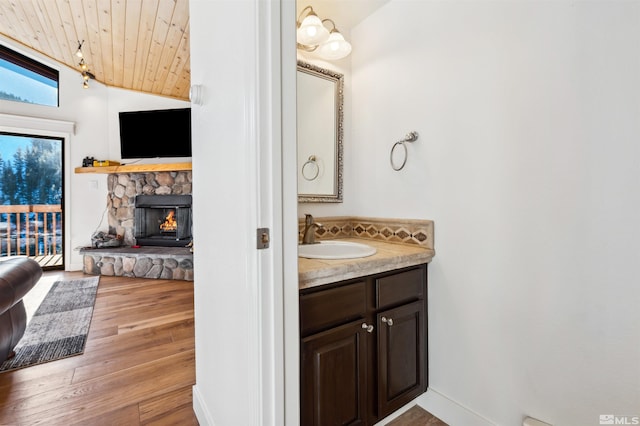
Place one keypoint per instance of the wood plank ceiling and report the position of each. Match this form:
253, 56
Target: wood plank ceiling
140, 45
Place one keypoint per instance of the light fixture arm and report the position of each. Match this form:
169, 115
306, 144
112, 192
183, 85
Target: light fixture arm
299, 21
332, 23
306, 48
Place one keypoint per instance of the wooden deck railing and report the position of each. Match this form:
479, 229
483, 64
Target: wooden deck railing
31, 230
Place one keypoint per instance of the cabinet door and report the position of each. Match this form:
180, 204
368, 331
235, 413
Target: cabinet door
333, 376
401, 361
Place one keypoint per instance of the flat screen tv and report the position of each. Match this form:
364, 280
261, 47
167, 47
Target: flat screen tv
155, 133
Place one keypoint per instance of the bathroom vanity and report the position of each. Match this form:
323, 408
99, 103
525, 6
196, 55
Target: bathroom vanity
363, 326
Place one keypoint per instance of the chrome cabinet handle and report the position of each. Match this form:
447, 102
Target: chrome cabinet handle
389, 321
367, 327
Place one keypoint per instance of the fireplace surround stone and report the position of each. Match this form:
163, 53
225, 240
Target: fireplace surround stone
123, 189
143, 262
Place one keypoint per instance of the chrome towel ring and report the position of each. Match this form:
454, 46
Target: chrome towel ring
410, 137
310, 168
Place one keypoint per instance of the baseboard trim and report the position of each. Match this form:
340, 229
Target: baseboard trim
73, 267
444, 408
450, 411
200, 409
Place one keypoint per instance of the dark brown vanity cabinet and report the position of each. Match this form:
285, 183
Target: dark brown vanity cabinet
363, 352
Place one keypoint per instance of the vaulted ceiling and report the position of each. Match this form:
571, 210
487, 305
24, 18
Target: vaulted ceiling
141, 45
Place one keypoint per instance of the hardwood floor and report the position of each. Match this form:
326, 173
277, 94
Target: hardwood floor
417, 416
138, 366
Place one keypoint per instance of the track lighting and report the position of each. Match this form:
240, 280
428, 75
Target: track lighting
313, 36
84, 69
79, 51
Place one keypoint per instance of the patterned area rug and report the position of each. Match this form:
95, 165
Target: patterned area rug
59, 326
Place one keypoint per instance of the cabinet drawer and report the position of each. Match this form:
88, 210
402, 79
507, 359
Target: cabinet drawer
328, 308
400, 287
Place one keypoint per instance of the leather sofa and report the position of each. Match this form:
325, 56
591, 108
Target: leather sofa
18, 275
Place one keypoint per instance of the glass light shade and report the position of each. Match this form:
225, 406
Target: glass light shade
311, 31
336, 47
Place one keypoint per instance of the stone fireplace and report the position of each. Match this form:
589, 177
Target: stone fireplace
128, 192
123, 189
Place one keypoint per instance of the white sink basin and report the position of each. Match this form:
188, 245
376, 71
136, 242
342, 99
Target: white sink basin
335, 250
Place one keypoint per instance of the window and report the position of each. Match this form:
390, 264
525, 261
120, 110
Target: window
23, 79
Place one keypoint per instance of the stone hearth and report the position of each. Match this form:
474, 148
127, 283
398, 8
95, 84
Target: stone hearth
169, 263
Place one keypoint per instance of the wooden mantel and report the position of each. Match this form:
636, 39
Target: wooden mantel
136, 168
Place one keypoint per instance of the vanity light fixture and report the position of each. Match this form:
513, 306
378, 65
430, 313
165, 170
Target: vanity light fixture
313, 36
336, 47
311, 31
84, 69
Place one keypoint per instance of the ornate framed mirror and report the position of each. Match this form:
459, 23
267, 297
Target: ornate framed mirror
319, 134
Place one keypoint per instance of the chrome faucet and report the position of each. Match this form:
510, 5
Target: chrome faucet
309, 233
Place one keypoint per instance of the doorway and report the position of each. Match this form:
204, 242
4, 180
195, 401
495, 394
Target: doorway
31, 198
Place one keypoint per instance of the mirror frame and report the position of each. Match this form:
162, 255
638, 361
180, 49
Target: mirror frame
338, 79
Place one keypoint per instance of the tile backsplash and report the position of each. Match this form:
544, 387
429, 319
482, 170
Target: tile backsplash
401, 231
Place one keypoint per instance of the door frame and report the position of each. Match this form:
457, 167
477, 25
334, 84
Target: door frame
57, 129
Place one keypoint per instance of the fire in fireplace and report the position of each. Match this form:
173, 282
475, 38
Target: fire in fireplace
162, 220
170, 223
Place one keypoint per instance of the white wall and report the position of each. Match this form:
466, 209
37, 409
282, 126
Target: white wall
94, 112
236, 142
528, 164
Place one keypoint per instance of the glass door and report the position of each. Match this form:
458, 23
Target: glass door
31, 198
